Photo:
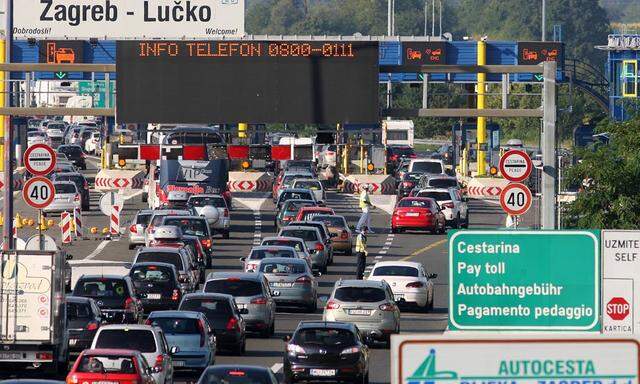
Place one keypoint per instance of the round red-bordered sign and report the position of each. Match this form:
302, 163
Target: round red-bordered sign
38, 192
515, 165
39, 159
516, 199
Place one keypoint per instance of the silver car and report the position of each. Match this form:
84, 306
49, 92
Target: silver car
67, 198
368, 304
295, 242
156, 220
250, 263
314, 185
250, 291
138, 226
291, 282
214, 208
315, 244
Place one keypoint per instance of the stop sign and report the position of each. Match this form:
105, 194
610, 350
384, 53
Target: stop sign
618, 308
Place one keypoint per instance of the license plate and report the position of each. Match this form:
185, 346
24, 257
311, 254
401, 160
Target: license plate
413, 214
178, 363
10, 356
322, 372
360, 312
105, 382
241, 306
154, 296
281, 285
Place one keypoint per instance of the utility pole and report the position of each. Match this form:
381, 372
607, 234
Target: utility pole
544, 19
433, 17
440, 23
390, 32
426, 9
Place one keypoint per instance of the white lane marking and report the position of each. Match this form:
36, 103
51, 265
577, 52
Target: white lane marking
257, 234
388, 243
378, 257
98, 249
383, 252
276, 367
391, 236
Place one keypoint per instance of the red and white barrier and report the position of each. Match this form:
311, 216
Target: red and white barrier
115, 221
77, 219
65, 227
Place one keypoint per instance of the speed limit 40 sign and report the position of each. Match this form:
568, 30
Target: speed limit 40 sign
38, 192
516, 199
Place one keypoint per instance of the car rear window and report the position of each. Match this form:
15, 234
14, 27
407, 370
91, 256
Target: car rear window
285, 243
360, 294
437, 196
161, 257
177, 326
77, 311
72, 150
195, 227
414, 203
234, 287
259, 254
443, 183
324, 337
136, 339
402, 151
202, 201
294, 206
102, 288
77, 180
107, 364
296, 195
427, 167
395, 270
305, 235
151, 273
310, 216
331, 221
283, 268
143, 218
312, 185
64, 188
234, 376
209, 307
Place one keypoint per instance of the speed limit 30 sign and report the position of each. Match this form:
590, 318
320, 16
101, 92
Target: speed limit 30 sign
38, 192
516, 199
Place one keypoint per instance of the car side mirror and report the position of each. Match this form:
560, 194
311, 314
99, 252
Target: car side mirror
433, 275
68, 257
174, 350
317, 274
243, 259
286, 338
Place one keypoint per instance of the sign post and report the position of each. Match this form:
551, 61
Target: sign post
526, 280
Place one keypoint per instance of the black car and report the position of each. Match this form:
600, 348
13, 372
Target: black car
114, 295
397, 153
81, 184
157, 286
223, 315
237, 374
75, 154
193, 226
197, 249
408, 182
84, 318
326, 351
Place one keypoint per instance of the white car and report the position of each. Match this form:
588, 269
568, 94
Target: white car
214, 208
92, 145
34, 137
150, 341
295, 242
314, 185
257, 254
451, 203
66, 198
430, 166
408, 280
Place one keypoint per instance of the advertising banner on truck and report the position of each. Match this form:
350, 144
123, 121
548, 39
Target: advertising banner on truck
125, 19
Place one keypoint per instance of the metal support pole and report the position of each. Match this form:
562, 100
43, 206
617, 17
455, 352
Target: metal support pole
482, 121
7, 191
425, 91
433, 17
549, 171
544, 19
505, 91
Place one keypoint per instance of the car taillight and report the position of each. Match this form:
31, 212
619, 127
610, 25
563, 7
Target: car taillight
413, 156
73, 379
133, 229
387, 307
183, 278
232, 324
226, 213
159, 363
344, 235
447, 205
394, 157
206, 243
175, 296
92, 326
319, 247
259, 301
303, 280
201, 330
44, 356
333, 305
415, 284
148, 322
129, 305
77, 197
407, 184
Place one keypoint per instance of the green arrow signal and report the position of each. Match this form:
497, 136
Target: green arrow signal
61, 75
539, 77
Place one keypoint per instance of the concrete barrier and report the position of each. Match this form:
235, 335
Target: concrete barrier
384, 203
108, 179
250, 181
18, 179
485, 188
380, 184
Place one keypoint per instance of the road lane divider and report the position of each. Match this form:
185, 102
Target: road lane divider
422, 250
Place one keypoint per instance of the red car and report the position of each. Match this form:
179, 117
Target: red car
418, 213
308, 213
110, 366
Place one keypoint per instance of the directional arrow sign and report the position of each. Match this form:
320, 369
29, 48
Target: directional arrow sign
515, 165
538, 77
61, 75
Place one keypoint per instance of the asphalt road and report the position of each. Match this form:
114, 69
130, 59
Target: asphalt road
253, 218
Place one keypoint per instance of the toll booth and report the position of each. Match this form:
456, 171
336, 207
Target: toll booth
465, 136
623, 72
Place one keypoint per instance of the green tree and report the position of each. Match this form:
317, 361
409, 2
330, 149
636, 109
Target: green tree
613, 198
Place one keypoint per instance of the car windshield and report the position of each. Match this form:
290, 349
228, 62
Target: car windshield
304, 234
331, 221
443, 183
101, 288
395, 270
282, 268
360, 294
201, 201
259, 254
161, 257
427, 167
64, 188
325, 337
210, 307
143, 218
107, 364
411, 203
151, 273
177, 326
311, 184
77, 311
297, 245
437, 196
194, 227
234, 376
137, 339
403, 151
234, 287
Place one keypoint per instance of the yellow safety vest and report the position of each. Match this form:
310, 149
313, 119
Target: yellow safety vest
361, 244
364, 199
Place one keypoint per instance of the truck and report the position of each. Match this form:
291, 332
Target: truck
397, 132
33, 319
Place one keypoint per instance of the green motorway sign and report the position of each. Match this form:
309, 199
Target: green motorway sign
524, 280
96, 89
